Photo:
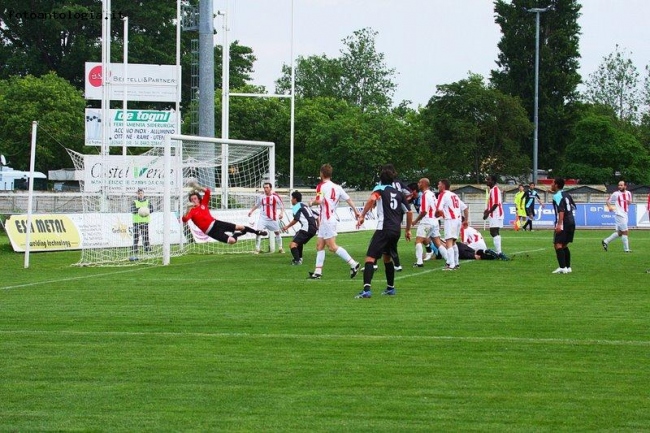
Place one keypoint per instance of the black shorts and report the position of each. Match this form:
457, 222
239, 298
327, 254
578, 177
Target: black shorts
383, 242
465, 252
530, 211
565, 236
302, 237
219, 229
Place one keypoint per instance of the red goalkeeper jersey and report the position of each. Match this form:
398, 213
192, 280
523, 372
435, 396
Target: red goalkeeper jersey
200, 215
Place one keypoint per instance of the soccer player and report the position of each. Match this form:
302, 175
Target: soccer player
529, 198
619, 202
427, 223
303, 215
271, 211
140, 222
494, 211
328, 196
391, 205
565, 225
472, 246
450, 208
199, 214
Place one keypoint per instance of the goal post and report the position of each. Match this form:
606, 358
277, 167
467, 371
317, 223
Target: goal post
234, 170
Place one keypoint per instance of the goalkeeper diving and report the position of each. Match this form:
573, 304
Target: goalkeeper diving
199, 213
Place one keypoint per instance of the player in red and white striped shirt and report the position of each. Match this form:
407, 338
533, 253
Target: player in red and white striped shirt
494, 211
328, 195
452, 209
619, 202
428, 227
271, 211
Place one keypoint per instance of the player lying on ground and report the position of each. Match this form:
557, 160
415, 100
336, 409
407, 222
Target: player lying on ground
199, 214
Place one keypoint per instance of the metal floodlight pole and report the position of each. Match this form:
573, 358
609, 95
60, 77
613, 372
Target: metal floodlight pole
536, 11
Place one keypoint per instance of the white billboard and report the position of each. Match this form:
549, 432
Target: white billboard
144, 128
153, 83
117, 173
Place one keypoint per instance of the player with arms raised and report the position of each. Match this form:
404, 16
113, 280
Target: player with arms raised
199, 214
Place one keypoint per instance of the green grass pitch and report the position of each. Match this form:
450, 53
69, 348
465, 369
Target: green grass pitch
247, 343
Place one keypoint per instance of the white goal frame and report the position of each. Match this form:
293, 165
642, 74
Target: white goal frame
174, 184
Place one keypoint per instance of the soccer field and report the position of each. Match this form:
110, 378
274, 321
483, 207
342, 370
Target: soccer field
247, 343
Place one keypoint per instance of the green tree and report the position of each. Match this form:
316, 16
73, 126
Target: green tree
558, 72
616, 84
602, 153
474, 130
59, 109
359, 76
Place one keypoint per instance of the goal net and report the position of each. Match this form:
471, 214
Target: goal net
112, 223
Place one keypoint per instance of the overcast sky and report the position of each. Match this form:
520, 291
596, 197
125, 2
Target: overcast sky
427, 42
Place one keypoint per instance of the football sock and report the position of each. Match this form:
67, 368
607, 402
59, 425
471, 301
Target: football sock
368, 272
343, 254
626, 242
443, 252
418, 253
390, 273
561, 257
456, 254
497, 243
567, 257
611, 237
320, 261
295, 253
258, 242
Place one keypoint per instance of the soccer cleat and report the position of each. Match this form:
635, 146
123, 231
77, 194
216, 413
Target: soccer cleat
604, 245
375, 267
568, 270
354, 270
503, 257
256, 252
398, 269
262, 233
313, 276
449, 268
418, 265
390, 291
364, 294
281, 251
427, 257
296, 262
560, 271
627, 251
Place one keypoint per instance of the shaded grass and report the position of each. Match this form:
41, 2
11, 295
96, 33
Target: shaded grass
244, 343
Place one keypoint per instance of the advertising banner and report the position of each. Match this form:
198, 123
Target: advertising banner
57, 232
144, 128
152, 83
115, 173
586, 215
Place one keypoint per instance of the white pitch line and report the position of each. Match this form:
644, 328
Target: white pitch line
497, 339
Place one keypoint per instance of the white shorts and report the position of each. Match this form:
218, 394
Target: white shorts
621, 223
452, 229
327, 230
268, 224
496, 222
425, 230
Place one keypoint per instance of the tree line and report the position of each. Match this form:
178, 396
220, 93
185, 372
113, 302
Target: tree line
345, 112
